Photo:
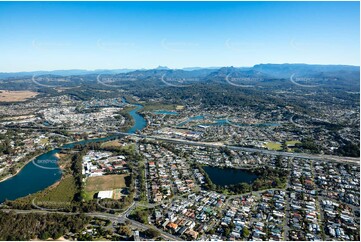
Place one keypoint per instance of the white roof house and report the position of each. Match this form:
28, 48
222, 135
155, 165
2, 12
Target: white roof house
105, 194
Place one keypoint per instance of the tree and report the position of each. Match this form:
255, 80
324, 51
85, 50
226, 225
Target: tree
245, 232
141, 216
125, 230
44, 235
278, 162
277, 182
152, 233
226, 232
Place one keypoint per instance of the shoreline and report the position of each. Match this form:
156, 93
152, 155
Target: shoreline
27, 162
18, 171
70, 142
36, 156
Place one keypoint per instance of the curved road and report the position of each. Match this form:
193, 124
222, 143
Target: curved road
112, 217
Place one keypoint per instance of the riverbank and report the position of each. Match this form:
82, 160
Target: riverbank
33, 179
31, 160
56, 155
18, 170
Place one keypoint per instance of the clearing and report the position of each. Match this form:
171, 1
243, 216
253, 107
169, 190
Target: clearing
111, 143
292, 142
273, 146
16, 96
107, 182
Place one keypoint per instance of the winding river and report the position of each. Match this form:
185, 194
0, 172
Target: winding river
44, 171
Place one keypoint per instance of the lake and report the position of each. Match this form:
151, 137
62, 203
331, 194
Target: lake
44, 171
229, 176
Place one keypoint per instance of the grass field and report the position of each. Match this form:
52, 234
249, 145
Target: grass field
16, 96
63, 192
273, 146
44, 141
293, 142
59, 195
159, 106
278, 146
108, 182
111, 143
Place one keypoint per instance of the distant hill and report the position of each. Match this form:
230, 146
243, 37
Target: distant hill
286, 70
62, 72
87, 72
334, 76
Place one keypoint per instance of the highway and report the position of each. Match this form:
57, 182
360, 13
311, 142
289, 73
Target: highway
333, 158
340, 159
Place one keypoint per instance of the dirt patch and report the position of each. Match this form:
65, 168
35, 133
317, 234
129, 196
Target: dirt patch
112, 143
16, 96
108, 182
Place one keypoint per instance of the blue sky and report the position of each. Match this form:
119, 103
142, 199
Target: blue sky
113, 35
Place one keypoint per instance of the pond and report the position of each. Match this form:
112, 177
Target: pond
229, 176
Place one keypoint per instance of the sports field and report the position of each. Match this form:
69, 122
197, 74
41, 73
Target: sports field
273, 146
108, 182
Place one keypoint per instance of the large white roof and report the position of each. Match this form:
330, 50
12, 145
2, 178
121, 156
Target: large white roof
105, 194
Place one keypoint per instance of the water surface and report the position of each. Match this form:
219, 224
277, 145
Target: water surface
229, 176
44, 171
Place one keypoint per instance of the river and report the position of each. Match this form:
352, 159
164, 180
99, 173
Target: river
44, 171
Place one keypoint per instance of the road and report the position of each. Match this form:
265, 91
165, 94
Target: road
112, 217
333, 158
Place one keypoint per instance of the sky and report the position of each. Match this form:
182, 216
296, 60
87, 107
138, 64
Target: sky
115, 35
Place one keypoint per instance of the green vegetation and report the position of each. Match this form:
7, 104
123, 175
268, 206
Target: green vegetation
129, 122
108, 182
6, 148
61, 195
142, 180
309, 145
140, 215
125, 230
39, 226
349, 149
63, 192
159, 106
273, 146
245, 232
152, 233
293, 142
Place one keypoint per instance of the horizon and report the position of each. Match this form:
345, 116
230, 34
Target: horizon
181, 68
134, 35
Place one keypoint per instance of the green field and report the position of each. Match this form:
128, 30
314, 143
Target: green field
278, 146
108, 182
63, 192
111, 143
159, 106
293, 142
59, 195
273, 146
